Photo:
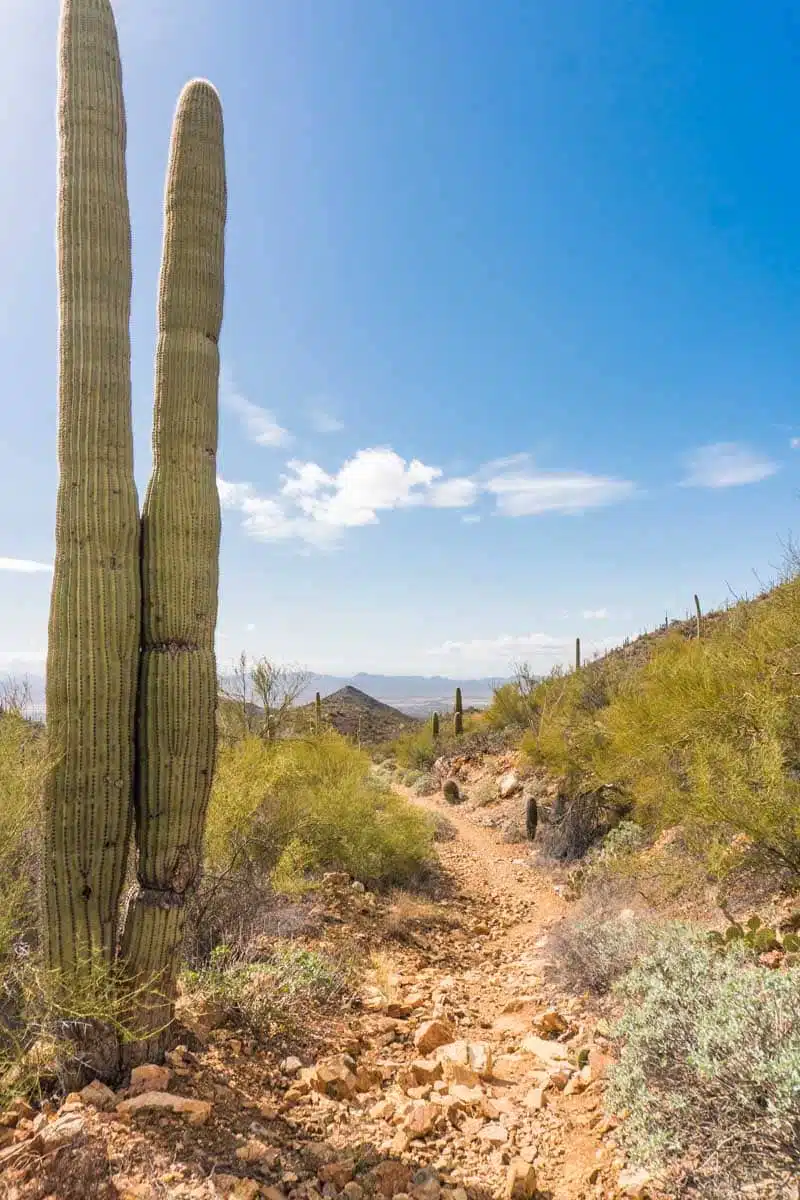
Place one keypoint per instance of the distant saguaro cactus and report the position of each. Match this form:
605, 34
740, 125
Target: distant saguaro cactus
458, 716
577, 654
435, 726
93, 638
180, 554
698, 611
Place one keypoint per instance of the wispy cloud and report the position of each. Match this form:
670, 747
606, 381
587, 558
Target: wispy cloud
25, 566
325, 422
260, 425
22, 658
522, 490
315, 506
794, 443
727, 464
595, 614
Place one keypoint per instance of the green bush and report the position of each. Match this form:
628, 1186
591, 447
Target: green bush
709, 1067
22, 763
704, 732
313, 805
593, 952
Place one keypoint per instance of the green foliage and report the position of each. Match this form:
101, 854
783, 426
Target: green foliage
22, 768
509, 708
303, 805
703, 731
418, 749
709, 1068
757, 937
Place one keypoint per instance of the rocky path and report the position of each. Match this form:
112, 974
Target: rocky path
458, 1074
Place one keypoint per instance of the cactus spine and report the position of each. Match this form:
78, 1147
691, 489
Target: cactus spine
93, 639
577, 654
458, 717
180, 556
318, 713
435, 726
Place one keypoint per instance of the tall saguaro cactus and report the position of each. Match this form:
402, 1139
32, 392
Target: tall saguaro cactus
93, 641
180, 555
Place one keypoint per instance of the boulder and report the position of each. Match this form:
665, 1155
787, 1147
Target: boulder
432, 1034
196, 1112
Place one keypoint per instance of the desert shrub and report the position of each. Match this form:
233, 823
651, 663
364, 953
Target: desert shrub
275, 995
426, 785
301, 806
591, 953
509, 709
705, 732
709, 1067
417, 749
22, 761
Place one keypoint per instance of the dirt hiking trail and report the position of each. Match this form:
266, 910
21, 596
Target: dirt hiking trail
457, 1073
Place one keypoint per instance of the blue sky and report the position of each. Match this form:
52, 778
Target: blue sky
512, 335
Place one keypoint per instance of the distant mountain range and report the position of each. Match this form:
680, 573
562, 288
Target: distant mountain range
417, 695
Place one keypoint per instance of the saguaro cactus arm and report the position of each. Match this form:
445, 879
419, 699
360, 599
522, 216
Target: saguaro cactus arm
180, 554
93, 640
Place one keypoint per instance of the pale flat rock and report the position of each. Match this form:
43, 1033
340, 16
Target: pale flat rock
196, 1112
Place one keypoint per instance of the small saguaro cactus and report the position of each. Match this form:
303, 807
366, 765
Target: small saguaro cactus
180, 557
458, 716
93, 638
699, 616
318, 713
435, 726
577, 654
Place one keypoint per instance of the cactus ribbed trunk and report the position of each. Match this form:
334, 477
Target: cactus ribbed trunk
93, 640
180, 563
435, 726
318, 713
577, 654
458, 717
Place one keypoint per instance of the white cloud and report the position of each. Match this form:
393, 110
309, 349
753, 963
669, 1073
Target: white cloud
727, 464
595, 614
313, 505
471, 519
250, 627
525, 493
25, 566
22, 658
325, 422
794, 443
259, 424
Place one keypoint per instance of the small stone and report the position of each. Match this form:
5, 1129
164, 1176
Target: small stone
536, 1098
256, 1151
353, 1191
426, 1070
508, 785
61, 1132
390, 1178
635, 1183
97, 1095
291, 1065
547, 1052
149, 1078
520, 1181
338, 1173
196, 1112
495, 1134
431, 1035
421, 1120
335, 1077
550, 1022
